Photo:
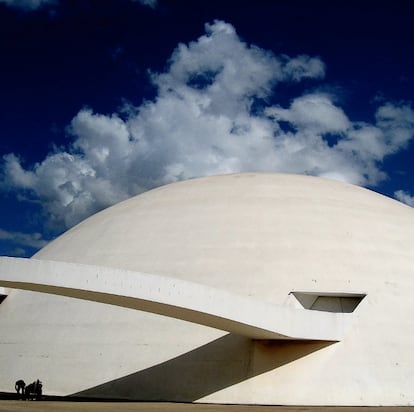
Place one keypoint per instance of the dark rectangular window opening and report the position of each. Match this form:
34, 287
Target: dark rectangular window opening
329, 302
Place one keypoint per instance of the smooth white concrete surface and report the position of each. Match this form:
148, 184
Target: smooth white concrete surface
174, 298
260, 236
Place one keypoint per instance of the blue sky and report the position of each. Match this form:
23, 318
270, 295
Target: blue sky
105, 99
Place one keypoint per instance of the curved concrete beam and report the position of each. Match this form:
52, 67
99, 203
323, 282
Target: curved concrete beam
172, 297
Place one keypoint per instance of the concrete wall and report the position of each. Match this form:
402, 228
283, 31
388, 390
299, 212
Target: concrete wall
257, 235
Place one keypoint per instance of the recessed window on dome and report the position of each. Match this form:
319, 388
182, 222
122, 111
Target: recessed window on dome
329, 302
3, 294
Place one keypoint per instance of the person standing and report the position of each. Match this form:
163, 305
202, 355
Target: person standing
19, 386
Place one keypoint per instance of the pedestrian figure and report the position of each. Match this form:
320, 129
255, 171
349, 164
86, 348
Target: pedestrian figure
38, 389
33, 390
19, 386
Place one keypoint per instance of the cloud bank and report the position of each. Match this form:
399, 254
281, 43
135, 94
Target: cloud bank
404, 197
211, 116
34, 240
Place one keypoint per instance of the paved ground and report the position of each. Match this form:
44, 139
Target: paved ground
50, 406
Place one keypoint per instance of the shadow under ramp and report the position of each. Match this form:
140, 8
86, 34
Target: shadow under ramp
207, 369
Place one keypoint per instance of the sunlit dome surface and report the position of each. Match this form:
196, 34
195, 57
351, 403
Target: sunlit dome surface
297, 241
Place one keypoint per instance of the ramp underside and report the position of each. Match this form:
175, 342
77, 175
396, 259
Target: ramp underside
174, 298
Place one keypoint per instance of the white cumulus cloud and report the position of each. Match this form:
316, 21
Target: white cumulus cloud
314, 113
34, 240
404, 197
210, 116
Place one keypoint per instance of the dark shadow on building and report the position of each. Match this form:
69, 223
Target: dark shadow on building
205, 370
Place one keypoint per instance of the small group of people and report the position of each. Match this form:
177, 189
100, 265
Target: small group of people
32, 391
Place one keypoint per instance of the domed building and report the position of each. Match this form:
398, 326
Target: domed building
247, 288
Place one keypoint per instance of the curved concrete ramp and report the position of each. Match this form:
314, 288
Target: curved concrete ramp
174, 298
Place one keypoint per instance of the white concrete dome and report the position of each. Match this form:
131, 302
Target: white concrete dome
262, 236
